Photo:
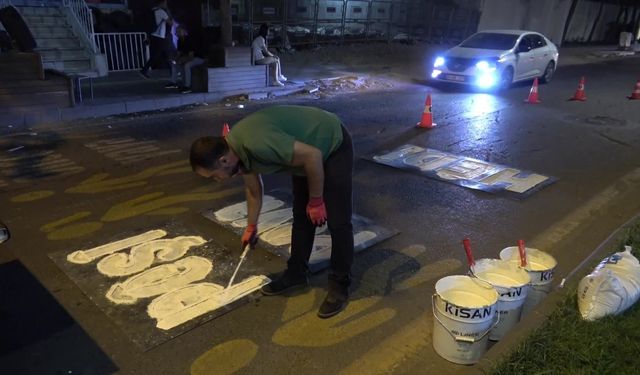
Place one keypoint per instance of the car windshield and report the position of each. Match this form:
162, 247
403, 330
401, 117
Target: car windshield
490, 41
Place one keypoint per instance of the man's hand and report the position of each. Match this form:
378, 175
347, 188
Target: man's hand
250, 236
316, 211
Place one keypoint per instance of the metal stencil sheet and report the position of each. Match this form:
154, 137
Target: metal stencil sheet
463, 171
275, 222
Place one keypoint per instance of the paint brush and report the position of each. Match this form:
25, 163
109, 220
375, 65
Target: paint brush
245, 249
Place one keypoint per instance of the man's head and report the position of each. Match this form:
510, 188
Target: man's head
212, 157
181, 31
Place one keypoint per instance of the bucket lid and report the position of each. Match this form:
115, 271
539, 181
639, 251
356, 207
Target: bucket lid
466, 291
500, 273
537, 260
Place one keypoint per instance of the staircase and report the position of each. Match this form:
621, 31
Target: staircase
62, 50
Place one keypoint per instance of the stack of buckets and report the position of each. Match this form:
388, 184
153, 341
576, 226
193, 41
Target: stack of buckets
470, 310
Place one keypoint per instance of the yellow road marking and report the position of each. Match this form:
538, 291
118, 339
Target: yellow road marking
32, 196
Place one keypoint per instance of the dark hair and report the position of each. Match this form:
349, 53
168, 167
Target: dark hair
206, 151
264, 31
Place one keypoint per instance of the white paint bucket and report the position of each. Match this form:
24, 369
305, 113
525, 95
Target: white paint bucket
512, 284
464, 311
540, 266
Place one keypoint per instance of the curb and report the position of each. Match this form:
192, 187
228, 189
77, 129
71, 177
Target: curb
536, 318
39, 116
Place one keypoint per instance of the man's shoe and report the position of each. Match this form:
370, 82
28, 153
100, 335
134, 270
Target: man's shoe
333, 304
185, 90
171, 86
287, 281
282, 79
277, 83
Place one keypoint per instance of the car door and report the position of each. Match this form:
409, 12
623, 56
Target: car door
541, 53
525, 59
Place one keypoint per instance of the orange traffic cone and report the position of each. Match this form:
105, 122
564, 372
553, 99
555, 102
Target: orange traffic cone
580, 95
533, 94
427, 119
635, 95
225, 129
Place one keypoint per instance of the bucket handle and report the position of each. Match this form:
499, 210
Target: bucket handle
469, 340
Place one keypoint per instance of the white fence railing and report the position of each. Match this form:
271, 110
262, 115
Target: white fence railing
123, 51
82, 14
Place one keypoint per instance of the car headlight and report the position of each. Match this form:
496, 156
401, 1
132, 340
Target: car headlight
439, 62
485, 66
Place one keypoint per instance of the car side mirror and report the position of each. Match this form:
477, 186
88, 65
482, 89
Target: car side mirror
4, 233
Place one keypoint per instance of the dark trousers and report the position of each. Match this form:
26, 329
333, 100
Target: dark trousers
338, 200
161, 50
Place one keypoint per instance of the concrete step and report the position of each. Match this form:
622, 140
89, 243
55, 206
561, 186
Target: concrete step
61, 43
63, 54
34, 21
39, 11
69, 65
49, 32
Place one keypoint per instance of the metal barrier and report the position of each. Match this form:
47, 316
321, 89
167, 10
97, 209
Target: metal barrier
123, 51
83, 16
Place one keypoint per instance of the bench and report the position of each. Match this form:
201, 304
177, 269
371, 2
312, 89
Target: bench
230, 69
25, 83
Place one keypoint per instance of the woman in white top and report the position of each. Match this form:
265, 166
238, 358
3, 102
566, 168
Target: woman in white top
262, 56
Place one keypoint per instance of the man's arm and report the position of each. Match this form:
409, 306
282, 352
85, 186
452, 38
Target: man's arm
253, 191
310, 158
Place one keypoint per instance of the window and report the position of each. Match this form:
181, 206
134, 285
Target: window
357, 10
490, 41
537, 41
331, 9
525, 44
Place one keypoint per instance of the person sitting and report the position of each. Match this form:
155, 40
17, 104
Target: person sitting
262, 56
190, 54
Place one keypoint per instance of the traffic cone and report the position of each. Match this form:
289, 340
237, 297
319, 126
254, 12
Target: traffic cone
533, 93
427, 119
580, 95
635, 95
225, 129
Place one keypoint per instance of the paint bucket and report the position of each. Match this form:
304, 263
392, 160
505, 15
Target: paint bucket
540, 266
464, 311
512, 284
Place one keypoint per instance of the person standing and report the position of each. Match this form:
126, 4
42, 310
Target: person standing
316, 149
160, 40
262, 56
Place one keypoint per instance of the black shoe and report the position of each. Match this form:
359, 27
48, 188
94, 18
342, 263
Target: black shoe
144, 74
335, 302
337, 296
170, 86
185, 90
287, 281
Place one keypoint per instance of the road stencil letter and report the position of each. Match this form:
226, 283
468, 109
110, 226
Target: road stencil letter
87, 256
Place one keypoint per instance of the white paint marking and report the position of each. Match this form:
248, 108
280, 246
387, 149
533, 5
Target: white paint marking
467, 170
142, 255
268, 220
429, 160
159, 280
239, 210
186, 303
400, 153
516, 184
86, 256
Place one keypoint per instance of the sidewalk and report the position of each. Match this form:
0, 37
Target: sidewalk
127, 92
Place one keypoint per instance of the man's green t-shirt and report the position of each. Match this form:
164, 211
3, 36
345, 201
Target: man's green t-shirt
263, 141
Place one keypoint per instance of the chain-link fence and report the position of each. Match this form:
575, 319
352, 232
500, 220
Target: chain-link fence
311, 22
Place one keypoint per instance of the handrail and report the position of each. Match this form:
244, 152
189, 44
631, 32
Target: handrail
82, 14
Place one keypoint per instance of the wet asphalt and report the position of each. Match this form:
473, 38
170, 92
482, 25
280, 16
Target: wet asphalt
591, 148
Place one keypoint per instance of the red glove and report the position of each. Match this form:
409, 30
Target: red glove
250, 236
316, 211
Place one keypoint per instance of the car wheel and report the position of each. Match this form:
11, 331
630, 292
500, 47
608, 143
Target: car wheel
548, 72
506, 79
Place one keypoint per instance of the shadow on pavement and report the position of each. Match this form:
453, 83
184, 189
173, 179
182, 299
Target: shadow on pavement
37, 335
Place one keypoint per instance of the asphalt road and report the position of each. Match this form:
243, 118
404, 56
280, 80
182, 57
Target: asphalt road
71, 187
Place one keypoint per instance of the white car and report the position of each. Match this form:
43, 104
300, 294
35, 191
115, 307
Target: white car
497, 58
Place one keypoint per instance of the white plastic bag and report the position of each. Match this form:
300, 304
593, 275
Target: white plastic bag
611, 288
